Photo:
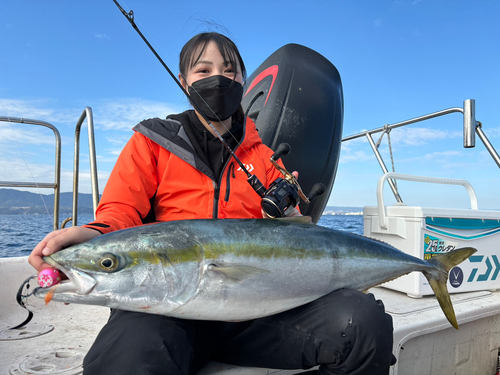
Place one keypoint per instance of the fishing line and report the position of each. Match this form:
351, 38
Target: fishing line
151, 36
222, 123
283, 192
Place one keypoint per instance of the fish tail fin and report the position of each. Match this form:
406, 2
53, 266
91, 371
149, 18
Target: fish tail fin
439, 276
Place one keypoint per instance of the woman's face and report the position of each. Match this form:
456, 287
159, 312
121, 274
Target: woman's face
211, 63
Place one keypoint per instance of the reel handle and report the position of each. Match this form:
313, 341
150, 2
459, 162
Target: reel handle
317, 190
282, 150
285, 192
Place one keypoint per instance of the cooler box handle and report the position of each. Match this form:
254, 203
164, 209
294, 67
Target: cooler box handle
433, 180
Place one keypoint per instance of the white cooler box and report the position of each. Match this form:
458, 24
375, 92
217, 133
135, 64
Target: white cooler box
426, 232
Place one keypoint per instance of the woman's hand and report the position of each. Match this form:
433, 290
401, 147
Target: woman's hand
57, 240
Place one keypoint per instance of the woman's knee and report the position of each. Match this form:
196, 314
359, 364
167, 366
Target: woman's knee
365, 312
365, 330
141, 343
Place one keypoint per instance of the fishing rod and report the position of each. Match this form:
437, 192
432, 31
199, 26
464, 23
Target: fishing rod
283, 192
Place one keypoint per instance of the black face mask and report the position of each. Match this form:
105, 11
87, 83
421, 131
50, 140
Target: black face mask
220, 94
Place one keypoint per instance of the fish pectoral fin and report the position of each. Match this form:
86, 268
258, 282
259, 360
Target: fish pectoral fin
237, 273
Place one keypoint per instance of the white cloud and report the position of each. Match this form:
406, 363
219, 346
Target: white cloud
350, 151
347, 157
119, 114
117, 144
84, 180
491, 133
402, 140
19, 170
403, 136
412, 136
377, 22
435, 156
110, 159
115, 151
124, 114
100, 36
117, 141
41, 109
20, 108
420, 136
12, 134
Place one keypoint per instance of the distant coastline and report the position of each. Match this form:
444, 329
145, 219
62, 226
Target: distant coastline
41, 210
351, 211
16, 202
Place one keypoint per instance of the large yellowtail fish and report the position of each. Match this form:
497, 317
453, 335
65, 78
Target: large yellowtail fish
234, 270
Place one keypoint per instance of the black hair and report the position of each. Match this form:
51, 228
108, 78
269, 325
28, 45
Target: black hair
194, 48
198, 43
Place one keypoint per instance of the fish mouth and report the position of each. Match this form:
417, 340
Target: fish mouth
78, 282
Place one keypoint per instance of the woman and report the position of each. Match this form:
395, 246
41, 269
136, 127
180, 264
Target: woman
176, 169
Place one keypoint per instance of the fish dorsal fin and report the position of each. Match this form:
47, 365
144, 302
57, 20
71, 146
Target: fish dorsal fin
375, 239
237, 272
297, 219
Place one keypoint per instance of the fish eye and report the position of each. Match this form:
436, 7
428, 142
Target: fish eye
108, 263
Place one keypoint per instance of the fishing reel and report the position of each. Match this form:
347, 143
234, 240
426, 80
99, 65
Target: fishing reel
285, 192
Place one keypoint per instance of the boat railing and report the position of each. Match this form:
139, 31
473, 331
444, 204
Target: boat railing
470, 125
56, 185
86, 114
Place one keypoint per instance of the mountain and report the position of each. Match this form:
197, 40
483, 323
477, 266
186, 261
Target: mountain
22, 202
15, 202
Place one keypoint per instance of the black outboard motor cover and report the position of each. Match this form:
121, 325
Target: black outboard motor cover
296, 97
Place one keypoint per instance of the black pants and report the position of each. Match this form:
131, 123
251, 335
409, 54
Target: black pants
345, 332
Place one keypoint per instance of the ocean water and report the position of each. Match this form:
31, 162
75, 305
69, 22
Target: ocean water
19, 234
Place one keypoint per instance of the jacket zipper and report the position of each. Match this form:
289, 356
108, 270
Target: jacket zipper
216, 200
230, 173
217, 188
217, 185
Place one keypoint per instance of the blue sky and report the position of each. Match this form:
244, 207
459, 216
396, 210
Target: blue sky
397, 59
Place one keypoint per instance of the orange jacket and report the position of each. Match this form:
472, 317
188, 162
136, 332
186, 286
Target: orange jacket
159, 162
